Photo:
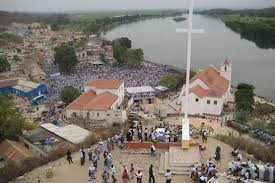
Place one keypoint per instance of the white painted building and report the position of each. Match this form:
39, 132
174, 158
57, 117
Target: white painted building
100, 101
209, 90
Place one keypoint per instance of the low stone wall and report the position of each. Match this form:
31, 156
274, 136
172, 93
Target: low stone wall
33, 148
160, 145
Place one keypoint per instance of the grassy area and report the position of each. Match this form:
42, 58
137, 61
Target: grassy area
259, 151
259, 29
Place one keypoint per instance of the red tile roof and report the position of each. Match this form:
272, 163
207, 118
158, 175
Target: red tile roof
199, 91
103, 101
82, 100
105, 84
91, 101
14, 151
211, 77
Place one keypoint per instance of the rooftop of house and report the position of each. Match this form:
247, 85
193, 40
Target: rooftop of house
14, 151
71, 133
140, 89
105, 84
91, 101
19, 84
217, 85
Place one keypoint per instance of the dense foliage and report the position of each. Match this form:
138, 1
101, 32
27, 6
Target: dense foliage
123, 53
133, 57
123, 42
4, 64
118, 52
261, 30
65, 57
255, 25
244, 97
69, 94
175, 81
11, 120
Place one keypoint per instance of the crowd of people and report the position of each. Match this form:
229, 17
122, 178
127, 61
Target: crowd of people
203, 172
249, 170
109, 174
164, 132
148, 74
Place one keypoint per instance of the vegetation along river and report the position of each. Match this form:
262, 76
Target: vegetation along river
161, 44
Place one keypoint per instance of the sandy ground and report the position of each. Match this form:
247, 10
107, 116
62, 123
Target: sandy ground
74, 173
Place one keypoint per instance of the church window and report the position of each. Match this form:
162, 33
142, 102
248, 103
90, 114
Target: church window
225, 68
197, 100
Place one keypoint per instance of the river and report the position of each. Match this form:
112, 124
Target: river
161, 44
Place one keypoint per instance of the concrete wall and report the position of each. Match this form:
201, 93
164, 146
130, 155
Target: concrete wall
201, 106
109, 115
38, 152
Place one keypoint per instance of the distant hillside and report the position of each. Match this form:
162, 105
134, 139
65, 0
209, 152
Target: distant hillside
9, 17
266, 12
254, 25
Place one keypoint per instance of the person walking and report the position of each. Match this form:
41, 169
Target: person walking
105, 176
69, 157
151, 174
168, 176
82, 156
132, 171
125, 175
139, 176
113, 173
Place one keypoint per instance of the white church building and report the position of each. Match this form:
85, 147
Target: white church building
209, 90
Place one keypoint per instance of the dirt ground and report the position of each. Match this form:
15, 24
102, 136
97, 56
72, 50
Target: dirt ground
74, 173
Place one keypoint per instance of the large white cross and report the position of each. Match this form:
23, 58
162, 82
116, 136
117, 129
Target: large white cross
190, 31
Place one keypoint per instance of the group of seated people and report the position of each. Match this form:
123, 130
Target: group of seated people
203, 172
249, 170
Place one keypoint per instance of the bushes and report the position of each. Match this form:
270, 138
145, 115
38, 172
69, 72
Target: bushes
238, 126
259, 151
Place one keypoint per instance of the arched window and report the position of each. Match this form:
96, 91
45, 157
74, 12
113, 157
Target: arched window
225, 68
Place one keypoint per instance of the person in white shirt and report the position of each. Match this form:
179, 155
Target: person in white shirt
239, 157
168, 176
139, 176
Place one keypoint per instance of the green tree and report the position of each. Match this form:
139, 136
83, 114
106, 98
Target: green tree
125, 42
4, 64
169, 80
242, 116
65, 57
133, 57
118, 52
69, 94
244, 97
11, 120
